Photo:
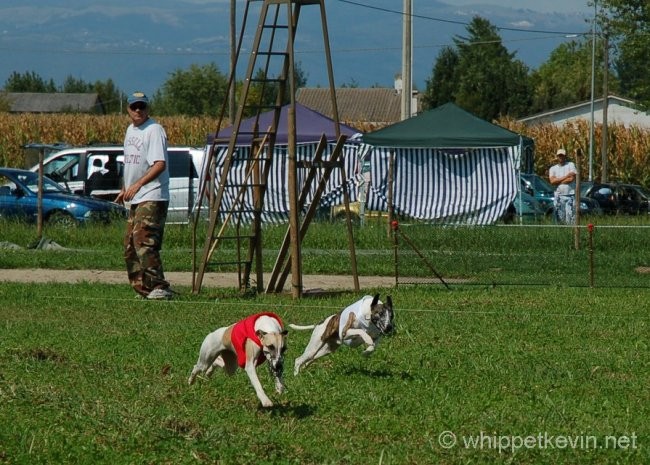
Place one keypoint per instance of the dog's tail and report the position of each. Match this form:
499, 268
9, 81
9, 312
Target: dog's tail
301, 327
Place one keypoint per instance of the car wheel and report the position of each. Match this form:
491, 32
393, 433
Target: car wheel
61, 219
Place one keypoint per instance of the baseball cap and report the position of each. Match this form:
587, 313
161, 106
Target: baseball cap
559, 151
137, 96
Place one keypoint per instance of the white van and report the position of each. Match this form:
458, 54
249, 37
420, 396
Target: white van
97, 171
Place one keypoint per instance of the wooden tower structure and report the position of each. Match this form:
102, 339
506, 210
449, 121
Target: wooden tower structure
270, 77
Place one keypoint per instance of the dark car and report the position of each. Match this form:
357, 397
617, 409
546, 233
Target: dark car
642, 196
590, 207
544, 193
539, 188
617, 199
524, 208
19, 199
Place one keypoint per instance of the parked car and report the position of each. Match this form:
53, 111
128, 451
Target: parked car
617, 199
641, 194
19, 200
590, 207
544, 193
524, 208
539, 188
77, 169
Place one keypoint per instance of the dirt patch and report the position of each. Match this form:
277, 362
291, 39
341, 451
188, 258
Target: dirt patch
210, 280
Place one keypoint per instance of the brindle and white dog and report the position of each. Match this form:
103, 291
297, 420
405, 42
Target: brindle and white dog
247, 343
365, 321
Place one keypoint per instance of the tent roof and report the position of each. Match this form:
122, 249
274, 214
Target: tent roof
310, 126
447, 126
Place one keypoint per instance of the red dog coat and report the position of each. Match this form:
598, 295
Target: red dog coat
245, 329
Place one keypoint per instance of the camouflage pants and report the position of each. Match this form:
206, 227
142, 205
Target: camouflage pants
565, 209
142, 243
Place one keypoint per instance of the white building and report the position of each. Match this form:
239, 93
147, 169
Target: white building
619, 111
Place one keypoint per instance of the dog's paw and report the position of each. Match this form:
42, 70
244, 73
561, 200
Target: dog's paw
266, 403
279, 388
369, 350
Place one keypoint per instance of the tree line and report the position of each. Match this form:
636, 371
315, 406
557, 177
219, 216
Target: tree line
478, 73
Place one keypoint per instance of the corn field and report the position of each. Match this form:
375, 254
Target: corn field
80, 129
628, 149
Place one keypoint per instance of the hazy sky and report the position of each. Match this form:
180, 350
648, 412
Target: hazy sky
545, 6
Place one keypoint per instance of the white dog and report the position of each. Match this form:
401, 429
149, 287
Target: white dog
246, 344
365, 321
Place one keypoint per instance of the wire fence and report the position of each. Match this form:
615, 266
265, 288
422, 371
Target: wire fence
540, 255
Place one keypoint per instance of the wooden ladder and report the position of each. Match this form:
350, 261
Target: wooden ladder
270, 77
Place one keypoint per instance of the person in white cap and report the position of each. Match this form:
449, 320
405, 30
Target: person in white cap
146, 191
563, 175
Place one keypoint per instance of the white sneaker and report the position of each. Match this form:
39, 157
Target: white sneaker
160, 294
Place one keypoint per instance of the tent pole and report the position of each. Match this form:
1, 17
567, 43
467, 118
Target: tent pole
391, 213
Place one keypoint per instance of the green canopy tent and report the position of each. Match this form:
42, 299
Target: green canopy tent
447, 164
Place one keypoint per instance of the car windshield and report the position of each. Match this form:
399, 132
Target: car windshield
30, 180
541, 184
643, 191
585, 186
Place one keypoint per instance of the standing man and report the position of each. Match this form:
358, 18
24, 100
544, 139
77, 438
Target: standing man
563, 175
146, 192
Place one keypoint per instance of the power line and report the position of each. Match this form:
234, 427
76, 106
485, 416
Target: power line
140, 52
461, 23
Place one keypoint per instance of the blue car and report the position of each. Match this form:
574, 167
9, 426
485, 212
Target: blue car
19, 200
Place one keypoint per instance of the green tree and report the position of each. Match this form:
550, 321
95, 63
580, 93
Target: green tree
200, 90
480, 75
565, 78
109, 94
73, 85
487, 72
627, 23
28, 82
442, 85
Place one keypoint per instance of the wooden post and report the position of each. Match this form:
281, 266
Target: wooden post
391, 173
39, 199
294, 234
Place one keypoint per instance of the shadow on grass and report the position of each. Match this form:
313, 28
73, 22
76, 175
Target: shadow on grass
378, 373
299, 411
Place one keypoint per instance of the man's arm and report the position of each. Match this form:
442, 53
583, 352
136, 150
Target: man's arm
152, 173
570, 177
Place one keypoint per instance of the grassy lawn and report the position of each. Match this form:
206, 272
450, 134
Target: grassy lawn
482, 375
539, 255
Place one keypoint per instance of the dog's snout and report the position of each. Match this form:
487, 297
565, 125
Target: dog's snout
388, 329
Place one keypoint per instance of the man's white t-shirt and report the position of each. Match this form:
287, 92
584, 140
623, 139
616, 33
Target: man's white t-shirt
560, 171
144, 145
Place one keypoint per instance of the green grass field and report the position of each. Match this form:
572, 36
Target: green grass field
481, 375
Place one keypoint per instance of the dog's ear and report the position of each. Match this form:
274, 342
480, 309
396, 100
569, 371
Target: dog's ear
375, 300
389, 301
284, 332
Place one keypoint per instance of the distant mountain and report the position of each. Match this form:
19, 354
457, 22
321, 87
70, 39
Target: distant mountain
138, 47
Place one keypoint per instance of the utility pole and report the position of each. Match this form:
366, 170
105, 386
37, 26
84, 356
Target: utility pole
603, 142
407, 60
233, 60
593, 91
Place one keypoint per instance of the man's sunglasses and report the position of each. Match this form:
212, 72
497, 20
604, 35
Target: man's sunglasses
138, 106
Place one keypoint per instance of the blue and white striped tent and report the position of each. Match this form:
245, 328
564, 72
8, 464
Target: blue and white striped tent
310, 126
448, 166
